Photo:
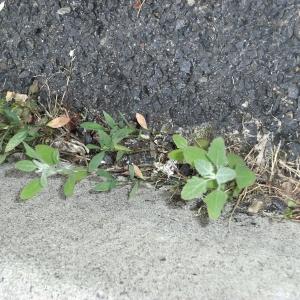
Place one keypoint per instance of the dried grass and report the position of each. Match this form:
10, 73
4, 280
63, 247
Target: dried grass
276, 176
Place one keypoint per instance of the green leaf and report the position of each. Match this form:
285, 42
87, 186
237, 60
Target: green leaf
193, 153
120, 134
180, 141
131, 172
224, 175
47, 154
55, 156
80, 174
204, 168
44, 178
234, 160
105, 139
134, 190
11, 117
96, 161
244, 177
69, 186
91, 126
124, 120
33, 131
176, 155
212, 185
92, 147
16, 140
109, 120
202, 143
215, 202
30, 152
236, 192
25, 166
217, 152
105, 186
120, 155
32, 189
2, 158
121, 148
104, 174
194, 188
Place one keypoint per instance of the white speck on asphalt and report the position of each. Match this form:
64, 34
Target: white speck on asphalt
2, 4
64, 10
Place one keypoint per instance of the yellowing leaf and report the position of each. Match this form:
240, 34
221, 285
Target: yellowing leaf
141, 120
138, 173
59, 122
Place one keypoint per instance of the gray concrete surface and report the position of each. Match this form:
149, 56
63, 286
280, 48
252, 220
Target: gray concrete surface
105, 247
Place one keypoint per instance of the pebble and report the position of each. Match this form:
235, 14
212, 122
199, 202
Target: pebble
255, 207
191, 2
64, 10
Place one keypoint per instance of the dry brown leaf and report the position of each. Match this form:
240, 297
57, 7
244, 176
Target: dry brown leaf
137, 4
141, 120
21, 98
137, 171
59, 122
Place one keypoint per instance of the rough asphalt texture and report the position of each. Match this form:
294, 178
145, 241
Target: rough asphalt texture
105, 247
189, 61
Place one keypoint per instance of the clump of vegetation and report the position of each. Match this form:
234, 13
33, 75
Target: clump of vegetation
109, 136
16, 125
211, 174
45, 161
217, 175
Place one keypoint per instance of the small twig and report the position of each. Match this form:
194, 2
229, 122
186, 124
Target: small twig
290, 169
140, 8
274, 161
240, 199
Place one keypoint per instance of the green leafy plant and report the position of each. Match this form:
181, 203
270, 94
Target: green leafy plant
218, 175
15, 126
108, 183
110, 136
135, 176
45, 161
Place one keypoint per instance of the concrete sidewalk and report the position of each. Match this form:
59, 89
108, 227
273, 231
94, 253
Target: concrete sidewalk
102, 246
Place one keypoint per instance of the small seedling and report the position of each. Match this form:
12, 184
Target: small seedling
45, 161
15, 126
220, 176
110, 137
